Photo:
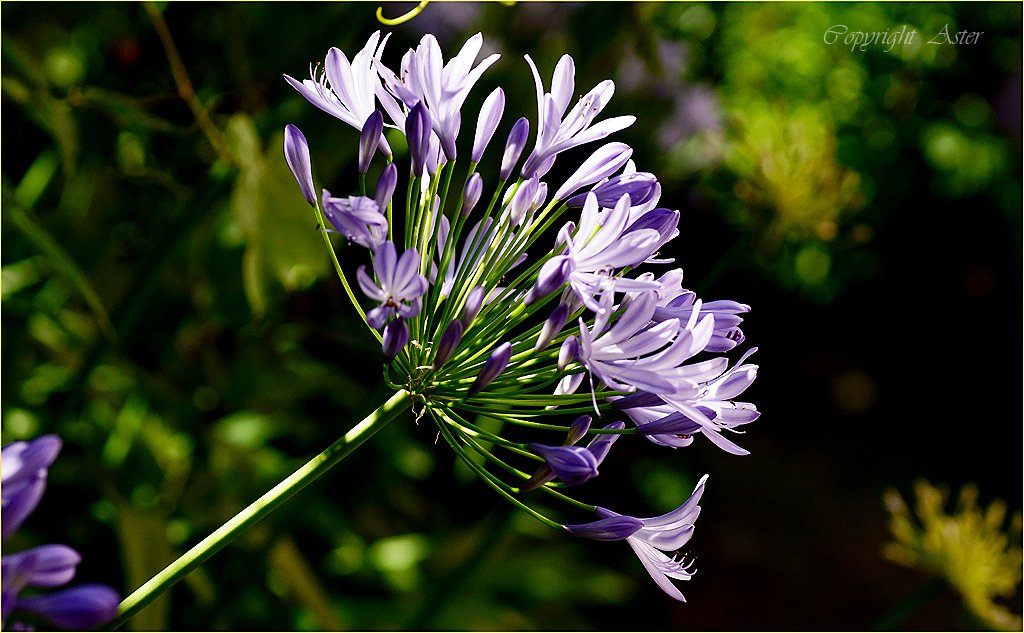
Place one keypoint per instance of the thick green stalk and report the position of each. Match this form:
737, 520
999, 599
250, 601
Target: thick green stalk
263, 506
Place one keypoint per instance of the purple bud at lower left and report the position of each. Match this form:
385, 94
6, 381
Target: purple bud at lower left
76, 609
396, 335
369, 139
296, 154
496, 364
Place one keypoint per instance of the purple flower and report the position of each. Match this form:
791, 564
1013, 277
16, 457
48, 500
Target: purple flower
474, 189
386, 187
418, 133
631, 355
490, 116
677, 303
573, 464
652, 538
24, 466
396, 336
296, 154
556, 134
707, 407
514, 147
346, 91
641, 187
369, 138
448, 344
552, 326
496, 363
603, 163
358, 218
399, 286
441, 90
600, 245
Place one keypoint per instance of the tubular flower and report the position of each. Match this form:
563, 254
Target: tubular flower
651, 538
25, 466
346, 90
474, 313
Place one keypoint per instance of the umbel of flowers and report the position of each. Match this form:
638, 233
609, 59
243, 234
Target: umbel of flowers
506, 296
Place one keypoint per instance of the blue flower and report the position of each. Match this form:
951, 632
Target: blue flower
25, 466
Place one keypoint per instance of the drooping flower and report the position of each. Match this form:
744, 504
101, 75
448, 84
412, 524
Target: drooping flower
25, 466
652, 538
358, 218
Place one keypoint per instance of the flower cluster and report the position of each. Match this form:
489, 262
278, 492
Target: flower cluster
969, 547
24, 466
503, 307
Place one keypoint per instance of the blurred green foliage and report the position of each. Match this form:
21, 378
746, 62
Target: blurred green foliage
169, 310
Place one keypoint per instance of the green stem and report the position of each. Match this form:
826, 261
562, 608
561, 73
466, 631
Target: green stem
263, 506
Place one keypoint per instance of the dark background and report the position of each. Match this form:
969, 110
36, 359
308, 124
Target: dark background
169, 311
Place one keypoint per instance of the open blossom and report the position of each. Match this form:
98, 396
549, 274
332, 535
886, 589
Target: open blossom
652, 538
480, 322
25, 466
556, 134
398, 287
442, 89
346, 90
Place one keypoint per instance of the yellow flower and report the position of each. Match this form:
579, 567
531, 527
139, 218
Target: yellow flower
968, 548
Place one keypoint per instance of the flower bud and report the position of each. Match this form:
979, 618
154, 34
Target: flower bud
417, 133
474, 189
602, 443
449, 342
572, 464
492, 368
386, 187
514, 147
568, 352
296, 154
578, 429
369, 139
490, 115
552, 326
474, 302
522, 201
552, 275
396, 335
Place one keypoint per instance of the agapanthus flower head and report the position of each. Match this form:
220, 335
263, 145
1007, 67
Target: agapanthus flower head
499, 299
25, 466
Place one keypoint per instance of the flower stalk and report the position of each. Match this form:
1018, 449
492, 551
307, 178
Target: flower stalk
257, 510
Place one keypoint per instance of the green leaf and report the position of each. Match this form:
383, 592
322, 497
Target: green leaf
282, 244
